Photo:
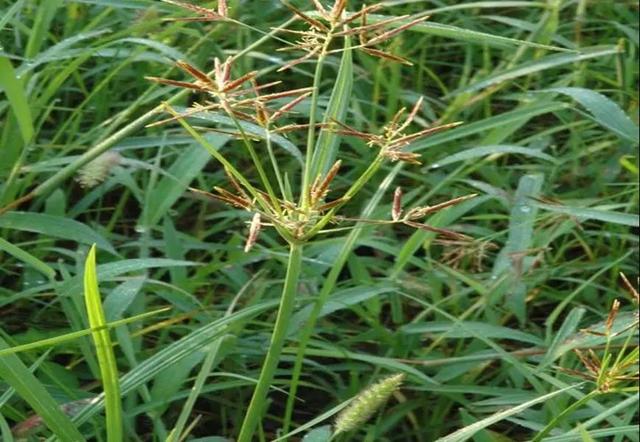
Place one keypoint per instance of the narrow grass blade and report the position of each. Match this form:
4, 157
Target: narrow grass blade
14, 91
324, 416
568, 328
467, 433
75, 335
327, 145
175, 352
607, 216
604, 111
543, 64
494, 151
470, 36
188, 164
18, 376
27, 258
513, 260
55, 226
104, 350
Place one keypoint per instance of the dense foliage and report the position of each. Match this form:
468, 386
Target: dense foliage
489, 318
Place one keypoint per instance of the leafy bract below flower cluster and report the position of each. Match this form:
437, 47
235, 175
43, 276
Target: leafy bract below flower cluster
243, 100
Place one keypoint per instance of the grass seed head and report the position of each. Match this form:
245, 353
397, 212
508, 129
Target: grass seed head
367, 403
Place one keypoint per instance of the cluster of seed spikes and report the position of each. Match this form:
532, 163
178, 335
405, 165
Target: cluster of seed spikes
610, 370
392, 139
241, 99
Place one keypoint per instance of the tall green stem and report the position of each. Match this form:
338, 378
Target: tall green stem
256, 406
328, 287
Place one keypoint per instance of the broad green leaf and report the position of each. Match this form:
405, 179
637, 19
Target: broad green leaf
467, 432
55, 226
104, 350
604, 111
517, 116
338, 301
19, 377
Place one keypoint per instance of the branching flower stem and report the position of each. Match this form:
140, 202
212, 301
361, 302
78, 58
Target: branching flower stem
353, 190
256, 162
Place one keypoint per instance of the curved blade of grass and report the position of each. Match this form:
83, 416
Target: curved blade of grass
104, 350
532, 67
468, 432
55, 226
607, 216
250, 129
27, 258
173, 353
326, 415
186, 167
496, 149
327, 145
604, 111
12, 87
77, 334
517, 116
468, 35
521, 222
19, 377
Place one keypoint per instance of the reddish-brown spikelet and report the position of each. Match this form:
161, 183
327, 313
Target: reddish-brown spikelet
318, 192
254, 231
205, 14
387, 35
396, 208
615, 307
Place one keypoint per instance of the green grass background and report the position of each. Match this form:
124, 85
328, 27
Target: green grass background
548, 93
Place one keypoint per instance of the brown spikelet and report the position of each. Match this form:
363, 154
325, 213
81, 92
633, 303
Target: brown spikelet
438, 230
387, 56
387, 35
364, 11
631, 288
194, 72
313, 22
290, 105
396, 208
615, 308
421, 212
318, 192
254, 231
223, 9
205, 14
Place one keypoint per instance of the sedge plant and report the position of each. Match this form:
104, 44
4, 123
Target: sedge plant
298, 217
